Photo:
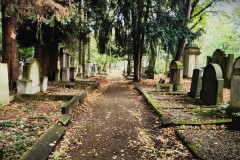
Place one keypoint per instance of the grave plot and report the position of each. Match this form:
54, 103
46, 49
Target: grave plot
68, 88
22, 123
211, 141
181, 109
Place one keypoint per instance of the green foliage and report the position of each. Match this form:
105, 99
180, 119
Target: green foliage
222, 32
25, 53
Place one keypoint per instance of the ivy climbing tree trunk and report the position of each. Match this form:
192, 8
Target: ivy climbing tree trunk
9, 46
47, 56
152, 61
182, 41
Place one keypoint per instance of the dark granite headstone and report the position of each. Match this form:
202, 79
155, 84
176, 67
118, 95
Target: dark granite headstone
225, 62
212, 85
196, 84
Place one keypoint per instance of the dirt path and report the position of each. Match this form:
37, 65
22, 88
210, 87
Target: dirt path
117, 124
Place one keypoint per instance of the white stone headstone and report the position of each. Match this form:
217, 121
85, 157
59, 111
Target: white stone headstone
4, 88
30, 83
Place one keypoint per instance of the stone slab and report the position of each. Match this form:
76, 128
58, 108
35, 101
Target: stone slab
4, 87
45, 144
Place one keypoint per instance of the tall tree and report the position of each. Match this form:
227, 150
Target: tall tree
9, 46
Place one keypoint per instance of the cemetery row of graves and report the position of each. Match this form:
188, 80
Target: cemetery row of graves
206, 122
39, 110
200, 117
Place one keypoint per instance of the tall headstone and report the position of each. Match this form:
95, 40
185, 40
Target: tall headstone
196, 84
4, 90
88, 68
64, 64
235, 85
226, 64
72, 74
212, 85
176, 77
191, 60
30, 82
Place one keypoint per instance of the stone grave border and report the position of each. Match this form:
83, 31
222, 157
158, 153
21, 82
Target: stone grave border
51, 136
166, 122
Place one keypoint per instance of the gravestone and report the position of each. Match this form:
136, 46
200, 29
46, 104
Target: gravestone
44, 83
196, 84
4, 90
64, 64
88, 68
20, 69
225, 62
212, 85
176, 77
94, 69
191, 59
30, 82
235, 86
72, 74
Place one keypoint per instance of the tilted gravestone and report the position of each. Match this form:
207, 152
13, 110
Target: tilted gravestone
31, 82
226, 64
235, 85
4, 90
196, 84
212, 85
191, 60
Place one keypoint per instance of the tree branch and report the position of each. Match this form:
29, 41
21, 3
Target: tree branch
194, 4
200, 19
203, 9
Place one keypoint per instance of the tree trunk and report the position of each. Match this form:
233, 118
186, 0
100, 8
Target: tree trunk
136, 23
182, 41
89, 50
83, 59
9, 46
47, 56
151, 66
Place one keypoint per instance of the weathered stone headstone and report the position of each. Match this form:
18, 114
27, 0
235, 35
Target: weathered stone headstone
196, 84
88, 68
191, 60
94, 69
20, 69
30, 82
235, 85
4, 90
212, 85
226, 64
72, 74
64, 64
176, 77
44, 83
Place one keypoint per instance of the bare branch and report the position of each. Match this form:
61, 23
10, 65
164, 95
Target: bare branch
203, 9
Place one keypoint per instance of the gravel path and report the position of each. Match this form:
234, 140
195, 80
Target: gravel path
115, 123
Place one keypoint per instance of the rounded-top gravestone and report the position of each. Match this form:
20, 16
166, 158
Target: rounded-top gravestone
235, 85
212, 85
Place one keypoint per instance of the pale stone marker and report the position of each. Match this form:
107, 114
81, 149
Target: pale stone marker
88, 68
235, 85
196, 84
64, 64
191, 60
212, 85
4, 90
30, 82
44, 83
